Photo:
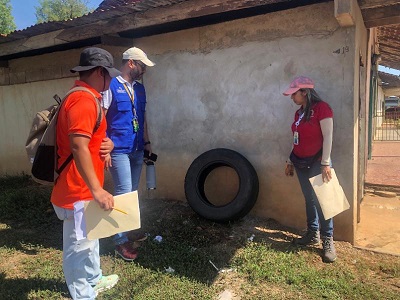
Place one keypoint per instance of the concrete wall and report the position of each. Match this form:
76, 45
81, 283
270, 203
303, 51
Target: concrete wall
221, 86
361, 71
27, 86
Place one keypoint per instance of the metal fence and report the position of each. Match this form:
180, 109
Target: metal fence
386, 129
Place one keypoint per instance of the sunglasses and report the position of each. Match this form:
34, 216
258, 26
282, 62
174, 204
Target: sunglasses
139, 63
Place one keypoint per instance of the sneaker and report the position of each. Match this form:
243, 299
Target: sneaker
329, 251
309, 238
105, 283
126, 251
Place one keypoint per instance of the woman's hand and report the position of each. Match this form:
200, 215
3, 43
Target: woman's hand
289, 170
326, 173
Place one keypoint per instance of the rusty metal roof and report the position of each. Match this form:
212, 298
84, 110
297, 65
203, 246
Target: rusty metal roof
388, 36
389, 80
110, 9
107, 9
139, 5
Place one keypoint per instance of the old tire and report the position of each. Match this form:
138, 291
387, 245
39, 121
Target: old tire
196, 176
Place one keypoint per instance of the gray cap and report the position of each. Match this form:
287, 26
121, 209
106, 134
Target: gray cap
94, 57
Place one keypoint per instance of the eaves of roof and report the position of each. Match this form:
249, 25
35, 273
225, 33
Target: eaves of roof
133, 18
389, 80
389, 46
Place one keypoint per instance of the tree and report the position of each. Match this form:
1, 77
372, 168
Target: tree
7, 24
60, 10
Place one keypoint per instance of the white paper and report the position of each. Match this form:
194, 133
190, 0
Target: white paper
92, 222
80, 224
330, 195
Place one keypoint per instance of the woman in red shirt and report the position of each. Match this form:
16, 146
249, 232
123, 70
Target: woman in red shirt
312, 143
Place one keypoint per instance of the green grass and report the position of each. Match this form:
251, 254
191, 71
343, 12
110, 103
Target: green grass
267, 268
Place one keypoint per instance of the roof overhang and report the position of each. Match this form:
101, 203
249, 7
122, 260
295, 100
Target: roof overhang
385, 16
116, 22
131, 19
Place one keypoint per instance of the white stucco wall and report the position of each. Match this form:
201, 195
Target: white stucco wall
221, 86
18, 105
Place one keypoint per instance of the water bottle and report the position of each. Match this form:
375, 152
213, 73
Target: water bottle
150, 175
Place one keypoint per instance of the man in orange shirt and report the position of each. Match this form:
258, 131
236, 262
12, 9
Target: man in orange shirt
82, 178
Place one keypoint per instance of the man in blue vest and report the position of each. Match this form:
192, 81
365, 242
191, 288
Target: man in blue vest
125, 104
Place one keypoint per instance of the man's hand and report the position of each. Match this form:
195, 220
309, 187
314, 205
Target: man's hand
106, 147
107, 162
104, 199
289, 170
326, 173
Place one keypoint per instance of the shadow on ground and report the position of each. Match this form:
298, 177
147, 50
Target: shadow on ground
193, 247
19, 288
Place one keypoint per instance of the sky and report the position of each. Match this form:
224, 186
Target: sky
389, 70
23, 11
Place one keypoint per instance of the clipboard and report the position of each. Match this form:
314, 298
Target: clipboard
92, 222
330, 195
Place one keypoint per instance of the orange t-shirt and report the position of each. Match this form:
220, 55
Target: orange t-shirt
77, 115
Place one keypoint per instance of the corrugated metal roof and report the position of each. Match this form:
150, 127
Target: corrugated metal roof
107, 9
388, 36
389, 80
140, 5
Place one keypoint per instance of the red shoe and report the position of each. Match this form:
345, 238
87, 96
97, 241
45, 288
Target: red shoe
126, 251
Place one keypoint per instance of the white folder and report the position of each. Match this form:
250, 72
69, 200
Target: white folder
330, 195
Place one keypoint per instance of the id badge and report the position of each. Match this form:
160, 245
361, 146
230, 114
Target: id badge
135, 125
295, 138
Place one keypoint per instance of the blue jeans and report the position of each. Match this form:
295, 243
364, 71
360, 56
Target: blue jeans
315, 218
81, 259
125, 171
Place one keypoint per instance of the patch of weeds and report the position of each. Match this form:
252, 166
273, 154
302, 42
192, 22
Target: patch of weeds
267, 268
24, 202
260, 263
390, 269
139, 283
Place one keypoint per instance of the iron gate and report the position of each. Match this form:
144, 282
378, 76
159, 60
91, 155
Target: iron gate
386, 128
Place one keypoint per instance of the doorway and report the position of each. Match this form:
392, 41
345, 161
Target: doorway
379, 226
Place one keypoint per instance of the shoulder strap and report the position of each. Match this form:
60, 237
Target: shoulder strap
98, 121
99, 110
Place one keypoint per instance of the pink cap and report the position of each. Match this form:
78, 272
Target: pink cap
298, 83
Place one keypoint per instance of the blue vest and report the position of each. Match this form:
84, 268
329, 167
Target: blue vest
120, 116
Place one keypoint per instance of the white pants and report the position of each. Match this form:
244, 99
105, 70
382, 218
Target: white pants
81, 259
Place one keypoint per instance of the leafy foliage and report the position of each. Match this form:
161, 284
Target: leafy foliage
7, 24
60, 10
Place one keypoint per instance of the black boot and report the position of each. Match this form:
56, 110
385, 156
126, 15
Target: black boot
328, 248
309, 238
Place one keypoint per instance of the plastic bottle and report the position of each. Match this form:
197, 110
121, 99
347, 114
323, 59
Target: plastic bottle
150, 175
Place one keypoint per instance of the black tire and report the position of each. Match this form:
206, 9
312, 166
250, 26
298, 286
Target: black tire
196, 176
